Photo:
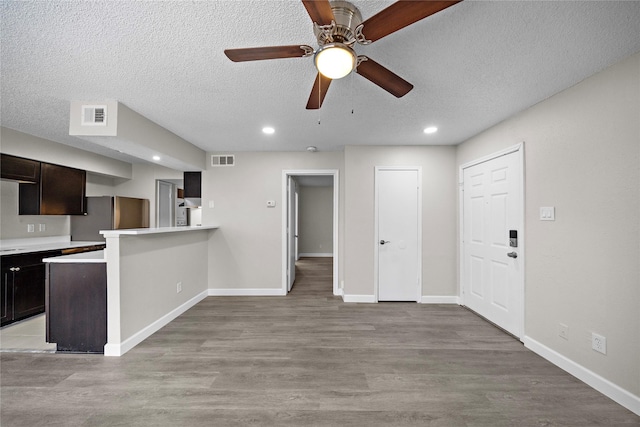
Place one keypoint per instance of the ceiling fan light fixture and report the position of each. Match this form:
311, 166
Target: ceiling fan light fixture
335, 60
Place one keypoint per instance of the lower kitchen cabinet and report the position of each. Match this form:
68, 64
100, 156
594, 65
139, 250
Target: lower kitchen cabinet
77, 306
22, 293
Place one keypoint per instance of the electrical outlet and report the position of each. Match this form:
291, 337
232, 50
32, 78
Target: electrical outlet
42, 227
31, 228
598, 343
179, 287
563, 331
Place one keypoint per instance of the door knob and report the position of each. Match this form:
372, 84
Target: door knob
382, 242
512, 255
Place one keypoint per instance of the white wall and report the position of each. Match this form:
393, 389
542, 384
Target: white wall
14, 226
438, 220
582, 155
246, 252
315, 220
143, 273
150, 268
151, 138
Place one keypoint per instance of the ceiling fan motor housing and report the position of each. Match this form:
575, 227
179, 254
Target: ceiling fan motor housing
347, 18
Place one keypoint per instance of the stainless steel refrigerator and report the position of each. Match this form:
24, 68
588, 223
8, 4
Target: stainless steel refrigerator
109, 213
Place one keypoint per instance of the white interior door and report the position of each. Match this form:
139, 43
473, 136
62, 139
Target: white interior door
398, 236
292, 232
492, 279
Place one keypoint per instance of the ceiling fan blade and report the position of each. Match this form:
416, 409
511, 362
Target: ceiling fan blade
376, 73
399, 15
269, 52
319, 11
318, 92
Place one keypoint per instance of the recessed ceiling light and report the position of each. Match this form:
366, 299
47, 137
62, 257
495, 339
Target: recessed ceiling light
156, 158
430, 129
268, 130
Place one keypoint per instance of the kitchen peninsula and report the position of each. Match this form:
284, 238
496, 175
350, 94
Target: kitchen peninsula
153, 276
145, 278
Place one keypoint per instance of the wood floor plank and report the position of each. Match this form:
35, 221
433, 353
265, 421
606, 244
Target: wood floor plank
306, 359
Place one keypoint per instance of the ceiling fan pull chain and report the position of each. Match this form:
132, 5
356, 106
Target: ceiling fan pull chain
351, 84
319, 97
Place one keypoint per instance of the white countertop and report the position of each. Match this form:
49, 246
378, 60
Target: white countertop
41, 244
158, 230
84, 257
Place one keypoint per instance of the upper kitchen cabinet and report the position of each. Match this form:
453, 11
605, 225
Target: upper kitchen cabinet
61, 191
19, 169
192, 188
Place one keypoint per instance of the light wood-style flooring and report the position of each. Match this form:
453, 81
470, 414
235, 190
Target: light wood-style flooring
306, 359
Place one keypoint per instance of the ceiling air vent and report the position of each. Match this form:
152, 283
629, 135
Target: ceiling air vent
94, 115
223, 160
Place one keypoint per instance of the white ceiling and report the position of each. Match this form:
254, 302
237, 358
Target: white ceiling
472, 65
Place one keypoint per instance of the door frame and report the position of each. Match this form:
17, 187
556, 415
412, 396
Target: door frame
336, 198
376, 224
292, 229
519, 150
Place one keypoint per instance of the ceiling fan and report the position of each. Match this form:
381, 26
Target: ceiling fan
338, 25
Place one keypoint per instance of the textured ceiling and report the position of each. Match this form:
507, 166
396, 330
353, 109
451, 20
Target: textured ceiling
472, 65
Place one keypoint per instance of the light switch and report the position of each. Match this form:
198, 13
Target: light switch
211, 204
548, 213
271, 203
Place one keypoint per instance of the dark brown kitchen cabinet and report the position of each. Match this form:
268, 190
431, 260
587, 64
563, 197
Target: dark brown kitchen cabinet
77, 306
61, 191
192, 184
22, 293
19, 169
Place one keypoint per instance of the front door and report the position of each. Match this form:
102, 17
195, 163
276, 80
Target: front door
492, 279
398, 237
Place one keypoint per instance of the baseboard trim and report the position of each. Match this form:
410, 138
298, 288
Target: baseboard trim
126, 345
359, 298
604, 386
316, 255
246, 292
440, 299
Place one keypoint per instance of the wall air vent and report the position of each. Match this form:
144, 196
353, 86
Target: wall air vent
223, 160
94, 115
